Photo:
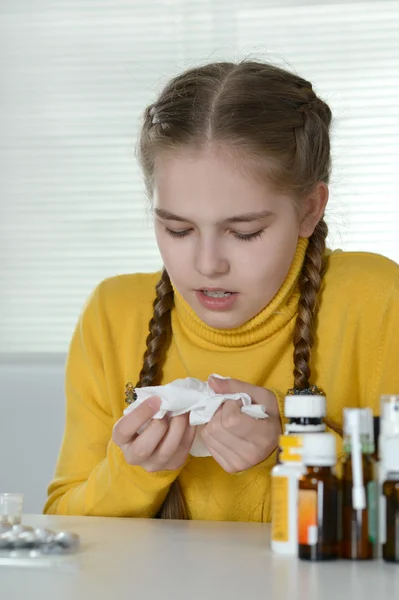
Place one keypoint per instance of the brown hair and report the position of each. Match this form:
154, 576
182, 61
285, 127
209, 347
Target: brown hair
274, 118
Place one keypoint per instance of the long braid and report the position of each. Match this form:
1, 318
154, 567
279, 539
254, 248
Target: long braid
159, 337
309, 285
158, 341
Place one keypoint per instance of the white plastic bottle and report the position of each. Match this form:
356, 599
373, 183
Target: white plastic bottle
285, 476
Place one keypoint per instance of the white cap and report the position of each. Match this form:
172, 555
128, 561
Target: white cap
313, 407
319, 449
365, 422
389, 424
391, 455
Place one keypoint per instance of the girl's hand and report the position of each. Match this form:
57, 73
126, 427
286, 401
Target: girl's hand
162, 446
235, 440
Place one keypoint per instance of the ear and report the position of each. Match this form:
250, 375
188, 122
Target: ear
312, 209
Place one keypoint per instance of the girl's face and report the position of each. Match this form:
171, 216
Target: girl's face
226, 239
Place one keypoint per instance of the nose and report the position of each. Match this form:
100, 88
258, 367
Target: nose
210, 260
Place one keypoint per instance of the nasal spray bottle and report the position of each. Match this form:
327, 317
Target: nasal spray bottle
359, 488
389, 430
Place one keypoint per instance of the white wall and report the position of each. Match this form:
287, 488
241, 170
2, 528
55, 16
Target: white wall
31, 427
75, 77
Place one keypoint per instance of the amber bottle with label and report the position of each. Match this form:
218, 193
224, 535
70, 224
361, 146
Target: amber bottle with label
318, 498
390, 491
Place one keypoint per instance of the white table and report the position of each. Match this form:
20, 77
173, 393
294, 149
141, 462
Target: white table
186, 560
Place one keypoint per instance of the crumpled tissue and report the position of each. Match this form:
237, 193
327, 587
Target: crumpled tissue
199, 399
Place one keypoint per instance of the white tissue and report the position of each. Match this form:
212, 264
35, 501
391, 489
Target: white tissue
199, 399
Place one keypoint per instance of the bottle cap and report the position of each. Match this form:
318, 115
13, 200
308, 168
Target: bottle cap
291, 448
305, 406
362, 420
391, 455
319, 450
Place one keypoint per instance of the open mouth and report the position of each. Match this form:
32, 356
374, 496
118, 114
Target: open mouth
218, 294
216, 299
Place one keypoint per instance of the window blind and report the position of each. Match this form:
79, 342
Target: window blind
75, 77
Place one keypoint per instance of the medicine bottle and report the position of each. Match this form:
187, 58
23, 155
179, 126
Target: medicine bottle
318, 499
284, 539
359, 486
390, 491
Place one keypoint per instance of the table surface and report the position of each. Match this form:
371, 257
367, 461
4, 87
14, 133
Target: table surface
184, 560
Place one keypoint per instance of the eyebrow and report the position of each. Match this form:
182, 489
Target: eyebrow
244, 218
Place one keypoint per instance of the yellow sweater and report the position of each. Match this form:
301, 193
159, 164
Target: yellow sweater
355, 360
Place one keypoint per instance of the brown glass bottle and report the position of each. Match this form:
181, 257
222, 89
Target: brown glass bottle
390, 489
325, 485
359, 527
318, 497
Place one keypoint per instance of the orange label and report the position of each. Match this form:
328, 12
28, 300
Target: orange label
280, 509
307, 517
291, 448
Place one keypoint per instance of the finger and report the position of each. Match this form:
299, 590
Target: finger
259, 395
188, 439
227, 443
126, 428
239, 432
242, 454
173, 438
245, 428
185, 446
229, 446
227, 422
145, 444
219, 454
236, 422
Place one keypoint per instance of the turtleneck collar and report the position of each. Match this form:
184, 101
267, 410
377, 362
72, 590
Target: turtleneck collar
262, 326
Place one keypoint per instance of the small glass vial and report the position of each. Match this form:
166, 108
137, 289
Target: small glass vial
359, 486
390, 491
305, 414
318, 499
284, 482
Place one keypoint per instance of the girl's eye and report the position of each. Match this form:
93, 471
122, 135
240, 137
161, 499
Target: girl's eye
247, 237
177, 234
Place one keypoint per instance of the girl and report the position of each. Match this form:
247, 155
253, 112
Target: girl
236, 161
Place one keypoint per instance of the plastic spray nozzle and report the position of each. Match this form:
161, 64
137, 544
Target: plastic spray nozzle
356, 425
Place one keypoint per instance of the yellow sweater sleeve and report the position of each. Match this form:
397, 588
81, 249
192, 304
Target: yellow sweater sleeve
92, 476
